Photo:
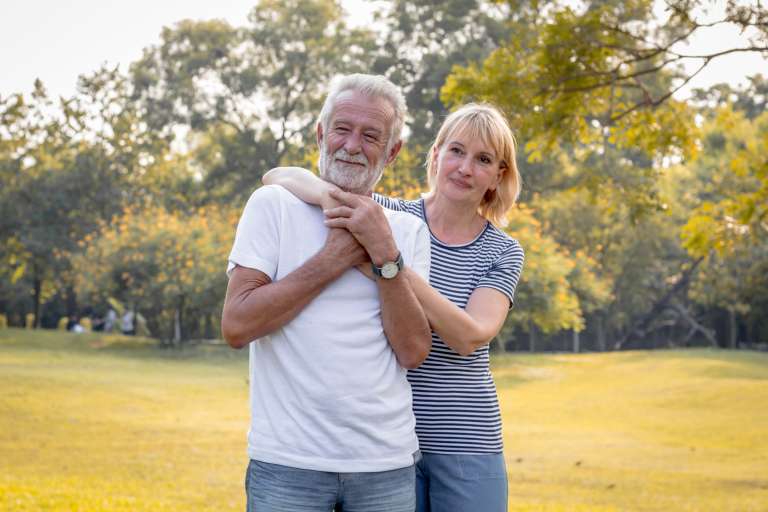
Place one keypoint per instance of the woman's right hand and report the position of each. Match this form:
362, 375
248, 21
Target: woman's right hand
326, 200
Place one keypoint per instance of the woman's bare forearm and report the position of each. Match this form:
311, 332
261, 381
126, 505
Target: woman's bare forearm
300, 182
463, 330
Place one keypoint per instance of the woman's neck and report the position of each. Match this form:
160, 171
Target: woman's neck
453, 223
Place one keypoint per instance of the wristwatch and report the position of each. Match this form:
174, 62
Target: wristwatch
389, 269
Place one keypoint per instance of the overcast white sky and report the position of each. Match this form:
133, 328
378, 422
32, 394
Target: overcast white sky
56, 40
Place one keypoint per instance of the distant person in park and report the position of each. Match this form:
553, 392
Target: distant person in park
127, 323
109, 320
332, 423
475, 268
74, 325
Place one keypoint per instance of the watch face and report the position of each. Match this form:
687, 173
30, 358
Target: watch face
389, 270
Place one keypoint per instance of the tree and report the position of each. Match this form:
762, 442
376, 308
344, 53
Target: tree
250, 96
422, 41
67, 165
728, 226
167, 266
556, 288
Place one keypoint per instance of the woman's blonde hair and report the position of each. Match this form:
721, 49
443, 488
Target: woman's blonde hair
484, 122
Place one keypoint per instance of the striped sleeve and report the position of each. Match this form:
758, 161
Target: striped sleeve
505, 271
390, 203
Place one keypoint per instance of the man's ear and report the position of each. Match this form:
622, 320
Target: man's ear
319, 134
394, 151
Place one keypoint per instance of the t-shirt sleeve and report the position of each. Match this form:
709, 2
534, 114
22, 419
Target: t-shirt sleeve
422, 252
390, 203
257, 239
505, 271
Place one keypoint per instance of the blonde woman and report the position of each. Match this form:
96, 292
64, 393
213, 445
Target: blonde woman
475, 268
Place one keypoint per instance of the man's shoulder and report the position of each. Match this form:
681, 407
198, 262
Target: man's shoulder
278, 198
403, 221
273, 193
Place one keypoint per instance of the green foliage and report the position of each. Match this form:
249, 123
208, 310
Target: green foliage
159, 262
559, 81
728, 222
556, 287
422, 41
66, 166
734, 208
615, 168
403, 177
248, 96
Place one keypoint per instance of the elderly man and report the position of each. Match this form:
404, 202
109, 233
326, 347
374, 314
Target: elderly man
331, 419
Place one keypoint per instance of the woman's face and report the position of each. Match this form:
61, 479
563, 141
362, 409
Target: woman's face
466, 169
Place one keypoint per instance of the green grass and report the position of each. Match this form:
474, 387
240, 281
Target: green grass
89, 422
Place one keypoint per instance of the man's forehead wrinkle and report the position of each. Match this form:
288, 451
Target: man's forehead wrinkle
351, 106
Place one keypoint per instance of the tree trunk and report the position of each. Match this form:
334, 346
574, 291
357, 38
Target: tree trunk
576, 347
209, 326
38, 287
177, 331
531, 337
695, 326
659, 307
732, 328
71, 301
600, 333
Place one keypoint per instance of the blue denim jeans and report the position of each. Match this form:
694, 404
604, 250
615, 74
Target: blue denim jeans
461, 483
275, 488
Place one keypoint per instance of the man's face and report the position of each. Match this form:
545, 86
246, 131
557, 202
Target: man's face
353, 147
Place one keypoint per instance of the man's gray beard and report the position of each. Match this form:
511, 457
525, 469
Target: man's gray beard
349, 177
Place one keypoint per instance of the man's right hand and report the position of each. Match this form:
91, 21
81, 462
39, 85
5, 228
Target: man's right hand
342, 246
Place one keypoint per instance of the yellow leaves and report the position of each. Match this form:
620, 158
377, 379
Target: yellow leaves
739, 165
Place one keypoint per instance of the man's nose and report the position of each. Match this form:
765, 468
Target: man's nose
353, 143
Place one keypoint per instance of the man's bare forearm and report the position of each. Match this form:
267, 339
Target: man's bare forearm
255, 306
405, 324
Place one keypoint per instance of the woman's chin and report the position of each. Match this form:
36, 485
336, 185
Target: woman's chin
459, 194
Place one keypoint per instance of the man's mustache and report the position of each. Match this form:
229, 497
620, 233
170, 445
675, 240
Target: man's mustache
341, 154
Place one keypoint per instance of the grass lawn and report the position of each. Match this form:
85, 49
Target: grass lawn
113, 424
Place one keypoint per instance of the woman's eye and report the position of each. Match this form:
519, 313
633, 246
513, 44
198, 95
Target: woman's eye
458, 151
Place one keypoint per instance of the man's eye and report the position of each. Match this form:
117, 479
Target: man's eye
371, 138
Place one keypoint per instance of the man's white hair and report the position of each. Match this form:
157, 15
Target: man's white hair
375, 86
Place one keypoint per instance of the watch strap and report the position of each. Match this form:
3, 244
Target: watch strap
378, 271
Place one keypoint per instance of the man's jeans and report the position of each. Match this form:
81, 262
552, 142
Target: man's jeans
275, 488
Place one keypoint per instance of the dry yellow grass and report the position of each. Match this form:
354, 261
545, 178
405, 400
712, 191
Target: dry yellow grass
645, 431
90, 423
118, 429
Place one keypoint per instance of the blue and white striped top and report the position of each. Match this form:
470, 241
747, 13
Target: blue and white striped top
454, 397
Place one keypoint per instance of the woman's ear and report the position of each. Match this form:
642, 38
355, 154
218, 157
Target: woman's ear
499, 176
435, 155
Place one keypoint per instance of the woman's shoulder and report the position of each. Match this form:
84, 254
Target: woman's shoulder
399, 204
504, 239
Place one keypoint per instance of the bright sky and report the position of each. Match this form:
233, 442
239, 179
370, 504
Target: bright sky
56, 40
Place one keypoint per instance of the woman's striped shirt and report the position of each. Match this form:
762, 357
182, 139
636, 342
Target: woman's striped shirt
454, 397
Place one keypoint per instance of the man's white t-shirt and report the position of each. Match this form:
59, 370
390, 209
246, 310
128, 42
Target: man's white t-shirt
327, 392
